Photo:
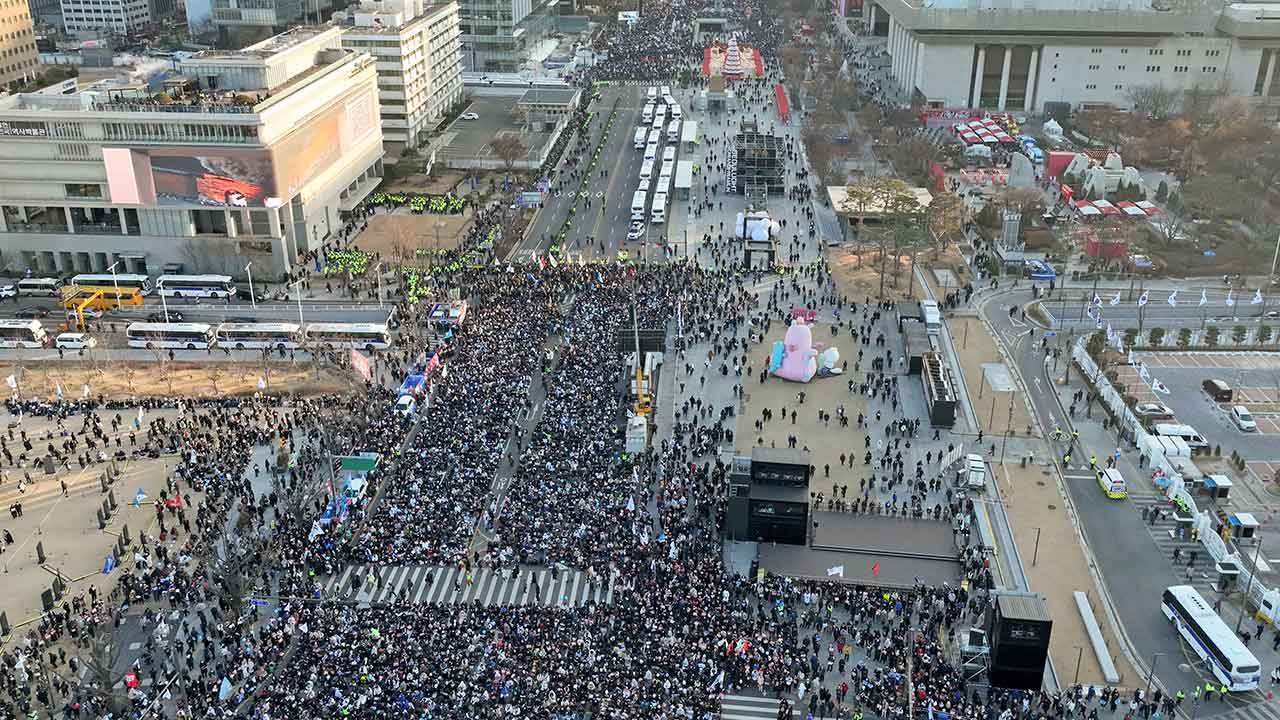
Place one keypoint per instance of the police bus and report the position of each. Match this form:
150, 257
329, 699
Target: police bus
1223, 653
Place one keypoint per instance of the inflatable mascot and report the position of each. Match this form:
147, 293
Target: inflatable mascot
798, 359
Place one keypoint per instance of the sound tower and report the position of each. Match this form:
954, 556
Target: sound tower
1018, 628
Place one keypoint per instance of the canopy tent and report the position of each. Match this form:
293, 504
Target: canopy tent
1130, 209
1004, 137
970, 138
1051, 127
1086, 208
1106, 207
1147, 207
977, 150
990, 139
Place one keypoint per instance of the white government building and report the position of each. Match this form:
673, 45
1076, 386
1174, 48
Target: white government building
247, 155
1017, 55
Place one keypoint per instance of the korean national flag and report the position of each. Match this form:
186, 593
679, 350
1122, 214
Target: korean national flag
1142, 299
1257, 297
1116, 300
1203, 298
1173, 299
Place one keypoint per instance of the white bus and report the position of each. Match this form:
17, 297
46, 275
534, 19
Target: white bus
201, 286
655, 137
639, 139
109, 282
637, 205
189, 336
673, 131
663, 187
652, 93
22, 333
243, 336
651, 151
1231, 662
668, 168
366, 336
646, 170
659, 122
669, 154
647, 115
665, 91
51, 287
658, 213
675, 112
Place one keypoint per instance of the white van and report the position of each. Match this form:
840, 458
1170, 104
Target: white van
973, 473
651, 151
675, 111
659, 209
637, 205
640, 138
932, 316
673, 131
669, 154
1188, 434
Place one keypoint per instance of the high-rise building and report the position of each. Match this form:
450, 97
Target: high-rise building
18, 60
240, 19
251, 155
416, 46
498, 34
973, 53
108, 16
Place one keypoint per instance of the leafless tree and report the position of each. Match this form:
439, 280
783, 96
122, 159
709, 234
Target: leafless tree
1155, 100
508, 148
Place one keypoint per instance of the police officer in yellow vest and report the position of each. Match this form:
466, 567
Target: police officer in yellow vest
1180, 697
1208, 691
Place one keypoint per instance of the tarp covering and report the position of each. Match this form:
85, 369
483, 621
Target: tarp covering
780, 95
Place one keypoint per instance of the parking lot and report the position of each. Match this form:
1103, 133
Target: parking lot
472, 139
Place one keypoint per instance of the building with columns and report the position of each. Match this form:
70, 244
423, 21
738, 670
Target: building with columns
1017, 55
249, 155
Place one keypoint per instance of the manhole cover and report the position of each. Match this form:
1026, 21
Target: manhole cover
1053, 507
1040, 483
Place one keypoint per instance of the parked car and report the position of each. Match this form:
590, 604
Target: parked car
32, 313
159, 317
1218, 390
636, 231
406, 406
93, 313
75, 341
9, 291
470, 116
1152, 408
1243, 419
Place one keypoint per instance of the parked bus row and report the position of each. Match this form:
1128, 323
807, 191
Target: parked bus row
174, 286
235, 336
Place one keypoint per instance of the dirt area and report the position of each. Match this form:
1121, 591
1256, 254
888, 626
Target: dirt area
398, 235
123, 381
1037, 511
949, 259
825, 442
1233, 253
66, 526
857, 275
975, 347
439, 182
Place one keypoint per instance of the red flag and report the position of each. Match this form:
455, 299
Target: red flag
875, 569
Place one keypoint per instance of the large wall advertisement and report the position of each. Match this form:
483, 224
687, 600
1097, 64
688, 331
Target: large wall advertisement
232, 177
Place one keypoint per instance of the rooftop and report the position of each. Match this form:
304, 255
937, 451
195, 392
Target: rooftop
549, 96
273, 45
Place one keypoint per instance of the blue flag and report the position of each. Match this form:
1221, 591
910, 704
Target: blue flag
109, 564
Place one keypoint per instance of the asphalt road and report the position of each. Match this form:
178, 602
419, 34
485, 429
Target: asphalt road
1068, 308
217, 311
1134, 569
621, 161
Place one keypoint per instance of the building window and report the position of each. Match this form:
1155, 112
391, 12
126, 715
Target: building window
1120, 67
1094, 67
1155, 51
1090, 86
1096, 51
80, 190
1124, 51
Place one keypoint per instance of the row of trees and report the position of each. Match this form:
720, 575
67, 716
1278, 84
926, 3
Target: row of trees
905, 226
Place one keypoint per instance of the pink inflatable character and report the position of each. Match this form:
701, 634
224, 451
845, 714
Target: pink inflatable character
799, 355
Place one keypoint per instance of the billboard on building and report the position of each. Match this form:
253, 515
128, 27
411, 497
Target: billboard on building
189, 176
315, 146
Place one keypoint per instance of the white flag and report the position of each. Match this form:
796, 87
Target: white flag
1116, 300
84, 392
631, 504
1131, 360
140, 416
1143, 372
1097, 300
1257, 297
1160, 387
1173, 299
58, 390
837, 570
1230, 301
1142, 299
13, 382
1203, 298
262, 384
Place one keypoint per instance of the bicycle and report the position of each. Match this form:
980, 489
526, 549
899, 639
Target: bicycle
1058, 434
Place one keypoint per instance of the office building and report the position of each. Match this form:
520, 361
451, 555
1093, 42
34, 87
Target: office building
238, 21
1005, 56
419, 61
18, 59
498, 34
91, 17
249, 155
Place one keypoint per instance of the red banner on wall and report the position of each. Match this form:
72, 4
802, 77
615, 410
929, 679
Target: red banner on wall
360, 364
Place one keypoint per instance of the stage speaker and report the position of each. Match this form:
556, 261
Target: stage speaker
1019, 628
737, 514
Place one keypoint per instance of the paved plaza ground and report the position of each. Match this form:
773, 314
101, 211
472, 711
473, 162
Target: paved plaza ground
401, 233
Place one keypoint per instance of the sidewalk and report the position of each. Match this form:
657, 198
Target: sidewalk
1037, 510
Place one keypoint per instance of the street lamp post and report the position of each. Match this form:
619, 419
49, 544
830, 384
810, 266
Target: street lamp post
1035, 553
1151, 671
253, 300
1079, 657
116, 283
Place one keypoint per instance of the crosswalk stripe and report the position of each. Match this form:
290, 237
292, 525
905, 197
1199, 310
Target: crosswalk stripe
427, 584
573, 596
608, 597
747, 707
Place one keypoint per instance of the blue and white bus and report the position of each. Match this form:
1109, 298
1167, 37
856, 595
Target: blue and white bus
1222, 651
196, 286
